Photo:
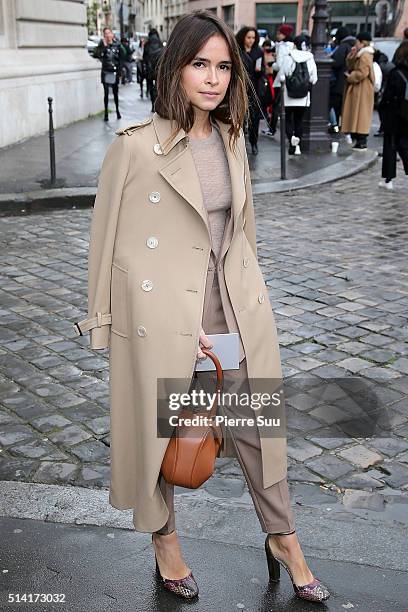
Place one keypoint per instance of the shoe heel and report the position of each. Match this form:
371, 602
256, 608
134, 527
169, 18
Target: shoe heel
273, 564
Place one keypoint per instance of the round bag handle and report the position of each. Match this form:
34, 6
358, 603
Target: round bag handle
220, 377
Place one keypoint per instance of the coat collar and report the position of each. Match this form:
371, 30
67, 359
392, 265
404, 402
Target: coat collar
179, 169
363, 50
164, 128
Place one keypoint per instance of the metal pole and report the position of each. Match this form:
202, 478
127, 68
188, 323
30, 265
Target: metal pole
52, 143
282, 130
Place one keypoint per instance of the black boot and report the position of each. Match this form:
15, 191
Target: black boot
254, 149
118, 115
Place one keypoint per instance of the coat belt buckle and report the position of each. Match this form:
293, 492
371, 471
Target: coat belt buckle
78, 329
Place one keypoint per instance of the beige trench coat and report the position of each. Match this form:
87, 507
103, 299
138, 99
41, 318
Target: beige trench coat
358, 103
148, 258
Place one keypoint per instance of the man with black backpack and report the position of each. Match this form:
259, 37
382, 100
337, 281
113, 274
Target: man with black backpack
299, 68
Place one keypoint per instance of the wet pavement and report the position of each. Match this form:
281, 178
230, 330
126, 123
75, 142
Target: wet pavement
99, 569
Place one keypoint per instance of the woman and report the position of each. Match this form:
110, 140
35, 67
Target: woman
394, 112
268, 49
252, 57
140, 65
111, 54
358, 101
344, 42
302, 60
182, 176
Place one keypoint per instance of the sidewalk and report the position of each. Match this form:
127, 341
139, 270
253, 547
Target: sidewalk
80, 149
80, 547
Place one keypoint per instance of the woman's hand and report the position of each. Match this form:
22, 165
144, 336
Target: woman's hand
205, 342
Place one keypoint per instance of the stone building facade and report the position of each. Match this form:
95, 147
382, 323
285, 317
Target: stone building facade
43, 53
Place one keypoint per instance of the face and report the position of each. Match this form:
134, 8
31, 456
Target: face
359, 44
249, 38
206, 78
108, 34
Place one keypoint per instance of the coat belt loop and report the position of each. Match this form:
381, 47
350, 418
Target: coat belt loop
99, 319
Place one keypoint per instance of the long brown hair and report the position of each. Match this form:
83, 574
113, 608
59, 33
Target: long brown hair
186, 39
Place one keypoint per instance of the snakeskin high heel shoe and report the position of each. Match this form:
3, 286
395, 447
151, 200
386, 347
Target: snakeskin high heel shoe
185, 587
313, 591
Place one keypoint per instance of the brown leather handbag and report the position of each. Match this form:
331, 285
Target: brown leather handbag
190, 455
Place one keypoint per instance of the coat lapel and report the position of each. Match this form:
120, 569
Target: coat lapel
181, 173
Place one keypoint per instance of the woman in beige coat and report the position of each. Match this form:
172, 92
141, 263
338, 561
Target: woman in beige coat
358, 102
162, 275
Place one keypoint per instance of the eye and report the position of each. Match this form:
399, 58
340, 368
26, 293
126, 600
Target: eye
198, 62
227, 66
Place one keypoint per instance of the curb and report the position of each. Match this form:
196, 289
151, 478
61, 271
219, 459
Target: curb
83, 197
353, 164
224, 520
39, 201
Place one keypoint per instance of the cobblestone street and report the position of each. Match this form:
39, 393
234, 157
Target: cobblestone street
335, 261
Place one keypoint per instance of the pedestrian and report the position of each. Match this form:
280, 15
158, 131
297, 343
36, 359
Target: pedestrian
127, 62
152, 52
252, 58
299, 68
284, 44
344, 41
111, 54
394, 112
358, 101
268, 48
141, 71
183, 175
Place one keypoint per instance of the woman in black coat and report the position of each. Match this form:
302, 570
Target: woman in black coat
252, 57
111, 53
394, 112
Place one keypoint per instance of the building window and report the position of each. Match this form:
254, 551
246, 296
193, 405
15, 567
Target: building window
270, 15
229, 15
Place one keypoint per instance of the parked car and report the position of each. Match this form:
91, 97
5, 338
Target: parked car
91, 46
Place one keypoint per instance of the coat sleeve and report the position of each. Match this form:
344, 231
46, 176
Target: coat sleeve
361, 72
111, 182
249, 214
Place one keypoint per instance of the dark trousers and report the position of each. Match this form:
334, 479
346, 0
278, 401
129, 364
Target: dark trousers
393, 144
253, 121
115, 89
294, 121
276, 108
336, 103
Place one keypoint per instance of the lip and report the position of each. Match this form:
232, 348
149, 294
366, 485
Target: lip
209, 93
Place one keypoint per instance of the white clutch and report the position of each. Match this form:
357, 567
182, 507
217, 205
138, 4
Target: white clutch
226, 347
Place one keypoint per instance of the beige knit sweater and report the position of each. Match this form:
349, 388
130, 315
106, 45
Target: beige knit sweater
212, 167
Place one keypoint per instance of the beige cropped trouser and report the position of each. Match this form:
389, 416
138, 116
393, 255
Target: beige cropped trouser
272, 505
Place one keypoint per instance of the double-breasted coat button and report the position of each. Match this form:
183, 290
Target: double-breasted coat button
147, 285
154, 197
141, 331
152, 242
261, 298
245, 262
157, 149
